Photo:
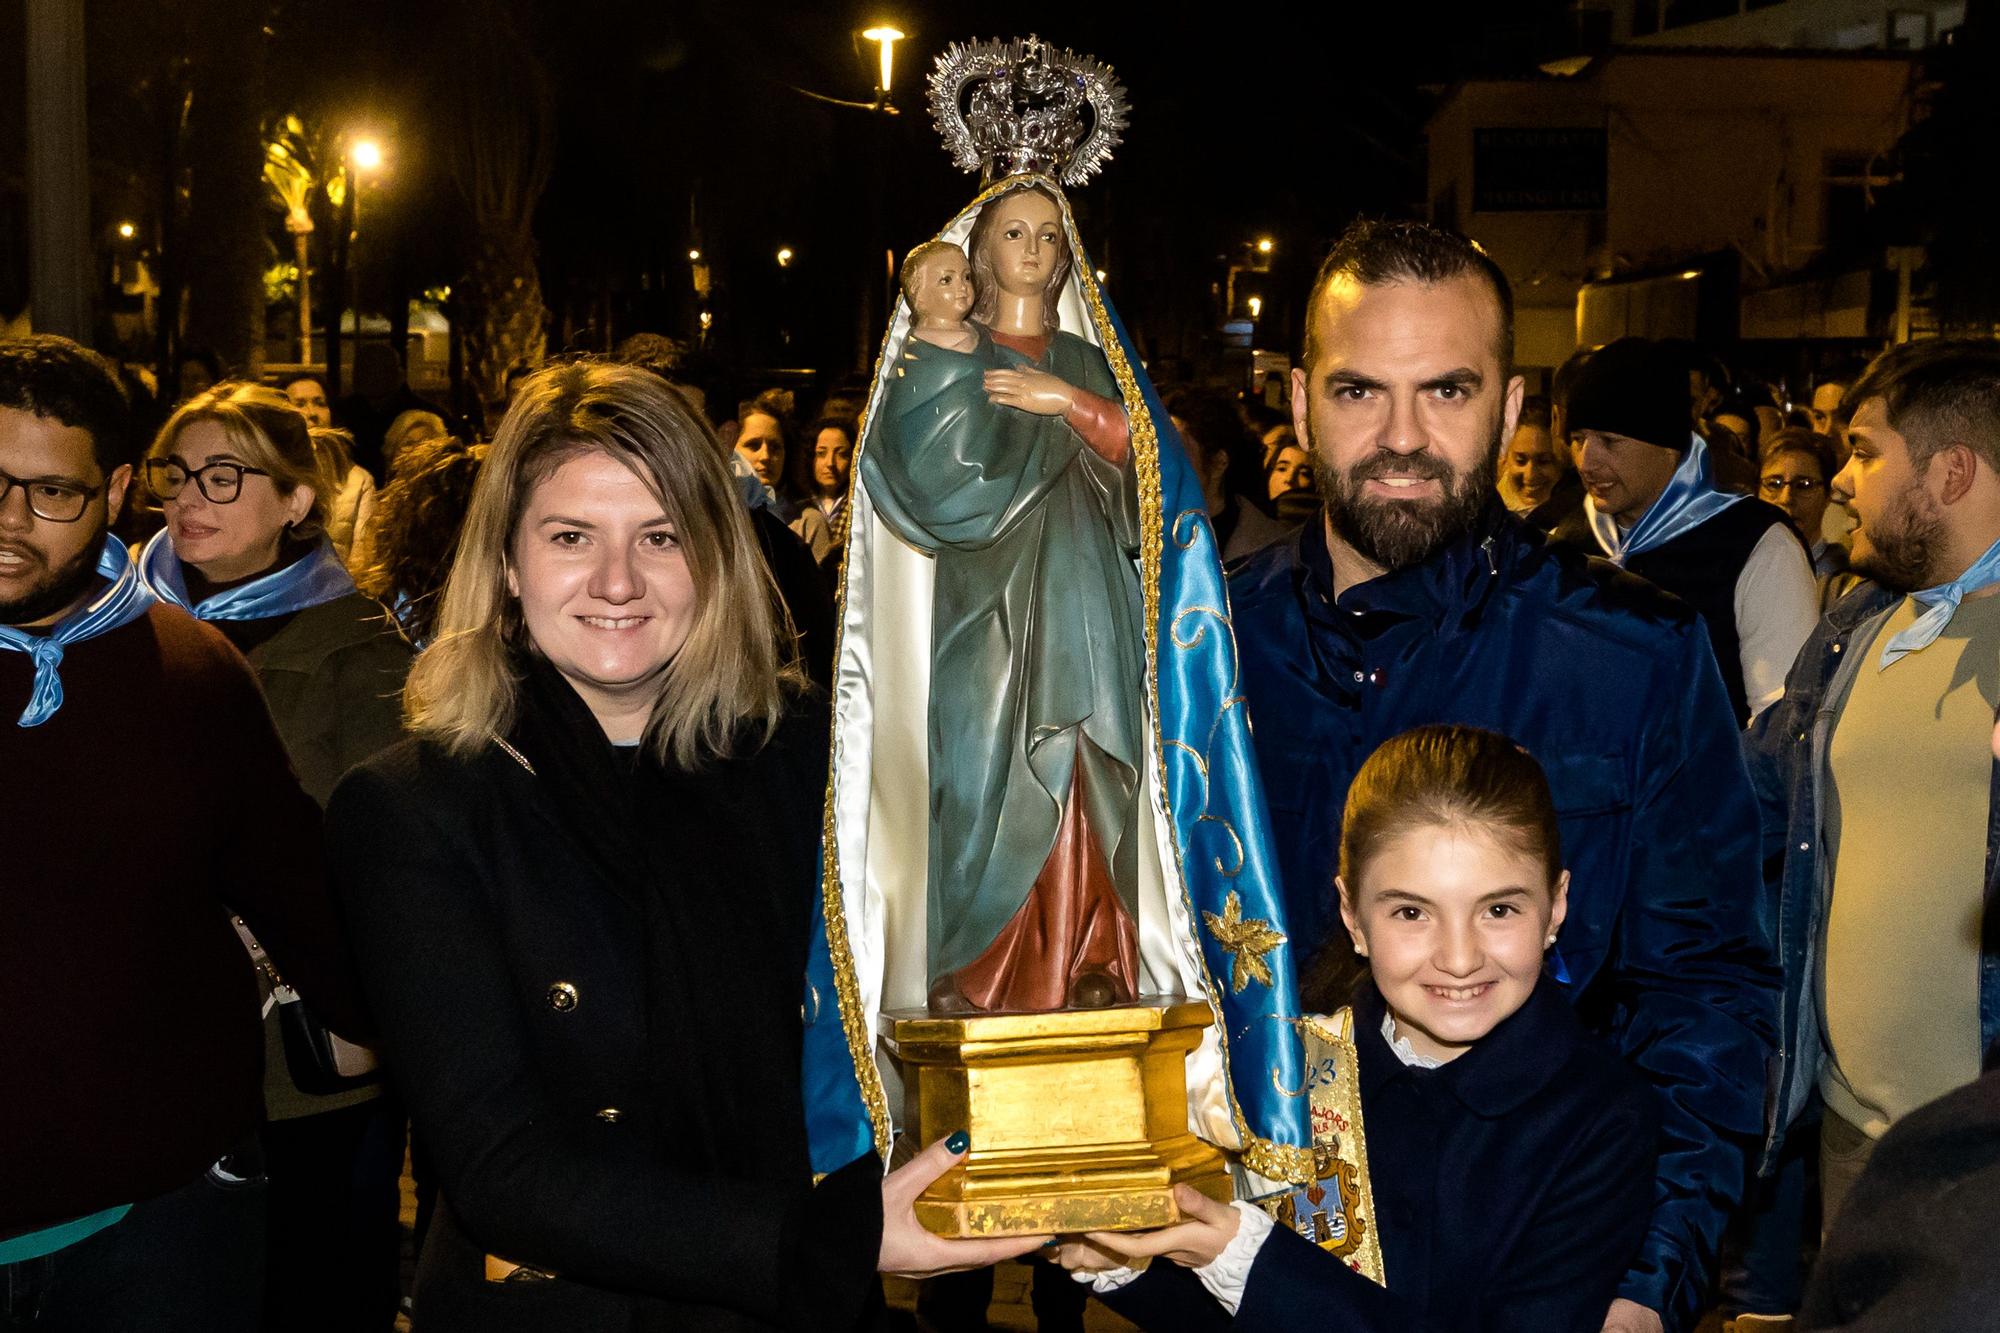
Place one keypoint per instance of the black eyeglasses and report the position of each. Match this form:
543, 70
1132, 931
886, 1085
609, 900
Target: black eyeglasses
1796, 485
219, 483
56, 501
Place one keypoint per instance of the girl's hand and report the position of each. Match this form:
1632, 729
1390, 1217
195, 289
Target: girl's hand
1194, 1243
910, 1251
1034, 391
1078, 1254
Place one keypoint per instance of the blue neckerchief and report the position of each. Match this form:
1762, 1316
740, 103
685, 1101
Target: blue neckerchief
1942, 604
122, 603
310, 581
1689, 501
754, 493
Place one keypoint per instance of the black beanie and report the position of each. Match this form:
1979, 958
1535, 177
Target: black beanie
1633, 387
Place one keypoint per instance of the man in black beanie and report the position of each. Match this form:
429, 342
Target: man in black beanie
1652, 506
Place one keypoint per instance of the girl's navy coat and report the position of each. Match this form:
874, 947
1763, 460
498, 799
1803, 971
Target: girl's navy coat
1512, 1187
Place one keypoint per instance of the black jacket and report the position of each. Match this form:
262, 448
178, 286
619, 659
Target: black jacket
597, 1030
1512, 1187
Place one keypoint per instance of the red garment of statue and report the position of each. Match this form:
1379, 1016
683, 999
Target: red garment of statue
1072, 925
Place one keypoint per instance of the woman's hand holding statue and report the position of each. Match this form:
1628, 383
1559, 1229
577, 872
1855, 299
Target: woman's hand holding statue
908, 1250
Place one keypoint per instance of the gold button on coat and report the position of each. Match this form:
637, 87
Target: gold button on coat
562, 997
611, 1115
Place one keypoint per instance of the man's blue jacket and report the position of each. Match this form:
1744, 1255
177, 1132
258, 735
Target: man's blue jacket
1612, 686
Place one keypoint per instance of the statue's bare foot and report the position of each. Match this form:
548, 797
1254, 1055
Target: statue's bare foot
946, 998
1094, 989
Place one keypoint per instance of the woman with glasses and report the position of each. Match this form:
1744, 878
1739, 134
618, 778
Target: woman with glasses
245, 548
582, 896
1798, 466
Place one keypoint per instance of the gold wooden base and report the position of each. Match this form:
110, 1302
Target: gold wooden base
1078, 1119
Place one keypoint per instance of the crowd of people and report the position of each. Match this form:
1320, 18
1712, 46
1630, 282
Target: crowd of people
1589, 789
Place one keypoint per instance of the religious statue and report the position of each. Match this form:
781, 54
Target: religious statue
1046, 843
1009, 464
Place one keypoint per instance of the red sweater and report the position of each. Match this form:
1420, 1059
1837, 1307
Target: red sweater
153, 804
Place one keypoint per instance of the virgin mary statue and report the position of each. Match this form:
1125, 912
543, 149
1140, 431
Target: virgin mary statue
1042, 794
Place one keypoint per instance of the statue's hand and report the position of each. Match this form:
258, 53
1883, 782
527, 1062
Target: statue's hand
1034, 391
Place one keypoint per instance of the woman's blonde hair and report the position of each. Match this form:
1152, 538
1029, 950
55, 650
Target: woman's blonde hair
266, 432
725, 684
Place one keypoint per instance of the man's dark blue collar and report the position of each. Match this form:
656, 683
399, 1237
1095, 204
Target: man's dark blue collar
1517, 1059
1450, 584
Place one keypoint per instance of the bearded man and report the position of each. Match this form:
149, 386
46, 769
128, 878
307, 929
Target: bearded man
1879, 787
1417, 599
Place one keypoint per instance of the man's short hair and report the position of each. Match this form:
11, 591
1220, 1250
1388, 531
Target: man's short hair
1939, 392
55, 378
1375, 252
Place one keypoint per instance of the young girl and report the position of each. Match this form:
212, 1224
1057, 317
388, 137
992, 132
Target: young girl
1511, 1156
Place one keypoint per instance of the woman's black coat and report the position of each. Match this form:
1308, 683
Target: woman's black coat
588, 984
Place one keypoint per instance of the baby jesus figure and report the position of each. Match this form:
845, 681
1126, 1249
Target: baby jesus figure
937, 282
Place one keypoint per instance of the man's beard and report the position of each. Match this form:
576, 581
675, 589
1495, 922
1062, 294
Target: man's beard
1395, 534
55, 590
1903, 544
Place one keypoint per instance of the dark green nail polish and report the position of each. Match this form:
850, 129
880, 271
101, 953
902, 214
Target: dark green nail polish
958, 1142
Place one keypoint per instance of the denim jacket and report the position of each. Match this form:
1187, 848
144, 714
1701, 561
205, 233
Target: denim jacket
1787, 753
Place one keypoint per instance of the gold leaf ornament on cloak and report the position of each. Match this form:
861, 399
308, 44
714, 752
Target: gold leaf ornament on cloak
1247, 942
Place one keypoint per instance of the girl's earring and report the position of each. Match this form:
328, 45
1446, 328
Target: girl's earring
1550, 943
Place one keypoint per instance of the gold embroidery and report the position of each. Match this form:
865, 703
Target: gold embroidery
1247, 941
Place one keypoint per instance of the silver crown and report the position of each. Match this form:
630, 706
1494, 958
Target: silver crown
1022, 106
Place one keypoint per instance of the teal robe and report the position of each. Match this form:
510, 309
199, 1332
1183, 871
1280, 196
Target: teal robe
1036, 660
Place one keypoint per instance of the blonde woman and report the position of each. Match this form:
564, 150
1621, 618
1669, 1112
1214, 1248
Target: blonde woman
243, 486
581, 899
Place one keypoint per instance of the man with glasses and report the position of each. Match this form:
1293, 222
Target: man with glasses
148, 799
1653, 508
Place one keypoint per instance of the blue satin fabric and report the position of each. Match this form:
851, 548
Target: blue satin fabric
1689, 501
313, 580
1940, 605
1221, 829
122, 603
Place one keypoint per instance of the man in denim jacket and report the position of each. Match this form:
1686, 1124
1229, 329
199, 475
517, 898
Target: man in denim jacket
1876, 773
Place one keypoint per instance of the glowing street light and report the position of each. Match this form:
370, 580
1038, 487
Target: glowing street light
1265, 245
1256, 307
887, 37
127, 230
785, 256
694, 256
366, 154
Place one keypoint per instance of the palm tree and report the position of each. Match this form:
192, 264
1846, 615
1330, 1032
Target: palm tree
499, 149
288, 170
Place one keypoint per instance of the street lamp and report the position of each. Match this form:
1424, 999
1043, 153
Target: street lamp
694, 256
1256, 307
1265, 245
366, 154
887, 37
785, 256
127, 231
